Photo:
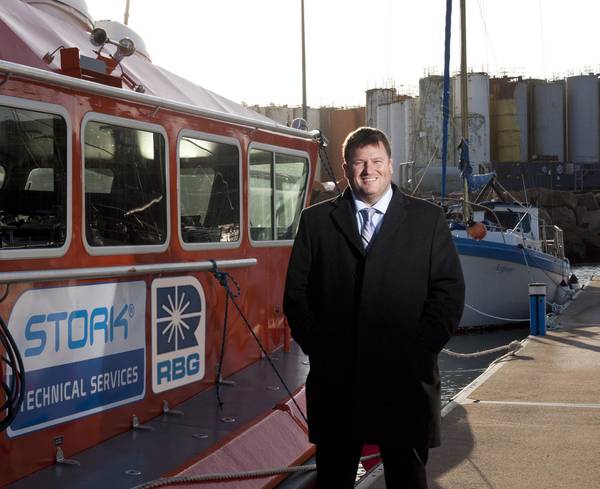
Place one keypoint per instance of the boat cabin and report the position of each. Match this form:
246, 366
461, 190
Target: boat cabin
122, 188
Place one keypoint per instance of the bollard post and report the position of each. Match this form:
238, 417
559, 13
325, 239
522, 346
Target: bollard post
537, 309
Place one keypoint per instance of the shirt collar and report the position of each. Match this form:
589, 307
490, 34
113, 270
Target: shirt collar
381, 205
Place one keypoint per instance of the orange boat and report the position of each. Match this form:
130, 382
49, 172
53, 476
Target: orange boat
127, 194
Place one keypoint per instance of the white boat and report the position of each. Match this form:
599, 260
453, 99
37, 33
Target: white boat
503, 247
518, 249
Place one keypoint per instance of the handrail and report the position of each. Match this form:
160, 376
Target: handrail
554, 244
120, 271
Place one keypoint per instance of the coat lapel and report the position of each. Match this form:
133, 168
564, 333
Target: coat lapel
345, 218
392, 221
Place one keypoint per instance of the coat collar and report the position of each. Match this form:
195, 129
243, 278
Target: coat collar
344, 216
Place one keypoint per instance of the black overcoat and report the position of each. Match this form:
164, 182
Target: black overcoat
373, 323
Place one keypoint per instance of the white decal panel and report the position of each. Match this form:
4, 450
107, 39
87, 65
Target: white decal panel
83, 348
178, 332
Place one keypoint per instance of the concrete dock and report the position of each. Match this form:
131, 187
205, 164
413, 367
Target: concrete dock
532, 420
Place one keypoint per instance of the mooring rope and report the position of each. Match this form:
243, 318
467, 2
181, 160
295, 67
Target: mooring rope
250, 474
512, 347
496, 317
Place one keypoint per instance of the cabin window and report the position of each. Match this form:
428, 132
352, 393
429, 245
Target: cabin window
125, 186
508, 219
261, 195
209, 191
277, 189
33, 179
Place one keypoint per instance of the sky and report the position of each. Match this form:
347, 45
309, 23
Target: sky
250, 51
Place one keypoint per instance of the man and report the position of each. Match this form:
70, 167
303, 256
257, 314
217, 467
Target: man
374, 291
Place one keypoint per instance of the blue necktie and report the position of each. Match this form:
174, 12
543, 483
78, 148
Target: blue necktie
368, 227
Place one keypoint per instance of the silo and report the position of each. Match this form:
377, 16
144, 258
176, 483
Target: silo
509, 114
548, 131
478, 88
583, 119
397, 120
375, 98
335, 125
428, 126
384, 120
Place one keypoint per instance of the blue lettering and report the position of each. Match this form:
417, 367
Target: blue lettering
75, 315
79, 328
56, 318
178, 368
32, 335
118, 322
99, 321
164, 371
193, 364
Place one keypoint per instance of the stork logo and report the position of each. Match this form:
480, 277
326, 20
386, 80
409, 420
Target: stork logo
178, 332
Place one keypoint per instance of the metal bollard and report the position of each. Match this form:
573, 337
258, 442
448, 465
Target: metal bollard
537, 309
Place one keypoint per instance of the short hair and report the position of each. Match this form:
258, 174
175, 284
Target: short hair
364, 136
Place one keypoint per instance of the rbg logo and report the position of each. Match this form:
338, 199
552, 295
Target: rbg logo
177, 332
178, 368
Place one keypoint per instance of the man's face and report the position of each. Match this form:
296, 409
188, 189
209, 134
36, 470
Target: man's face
369, 172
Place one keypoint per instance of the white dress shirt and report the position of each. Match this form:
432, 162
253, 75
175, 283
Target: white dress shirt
380, 206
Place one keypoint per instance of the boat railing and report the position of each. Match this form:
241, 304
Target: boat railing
552, 240
122, 271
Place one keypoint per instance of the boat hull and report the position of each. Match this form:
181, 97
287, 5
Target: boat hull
497, 278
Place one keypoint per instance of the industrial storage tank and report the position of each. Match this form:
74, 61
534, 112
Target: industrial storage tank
428, 127
548, 131
509, 120
479, 117
397, 120
375, 98
583, 119
285, 115
335, 124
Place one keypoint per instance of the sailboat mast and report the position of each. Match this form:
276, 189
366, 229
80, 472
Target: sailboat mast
446, 97
464, 93
464, 104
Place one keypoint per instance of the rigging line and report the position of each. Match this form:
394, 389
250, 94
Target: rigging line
268, 357
500, 227
437, 145
542, 38
526, 262
219, 377
223, 279
488, 40
452, 122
